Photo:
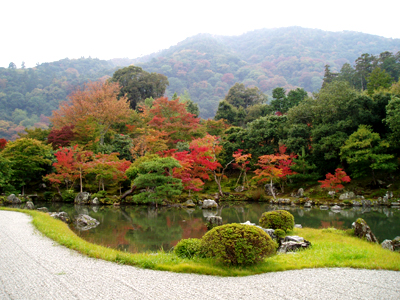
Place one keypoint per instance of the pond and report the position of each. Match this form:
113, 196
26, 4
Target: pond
145, 228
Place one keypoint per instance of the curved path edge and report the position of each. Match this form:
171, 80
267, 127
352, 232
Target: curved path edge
34, 267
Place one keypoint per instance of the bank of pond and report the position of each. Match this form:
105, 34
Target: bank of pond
144, 228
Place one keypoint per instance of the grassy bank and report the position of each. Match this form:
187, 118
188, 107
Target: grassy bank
330, 248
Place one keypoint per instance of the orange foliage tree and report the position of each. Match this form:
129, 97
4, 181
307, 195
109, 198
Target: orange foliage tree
96, 102
171, 117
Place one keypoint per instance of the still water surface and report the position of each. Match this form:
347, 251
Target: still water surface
144, 228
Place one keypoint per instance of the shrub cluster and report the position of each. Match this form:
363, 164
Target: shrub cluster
237, 244
277, 219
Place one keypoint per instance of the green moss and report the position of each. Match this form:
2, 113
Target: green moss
237, 244
277, 219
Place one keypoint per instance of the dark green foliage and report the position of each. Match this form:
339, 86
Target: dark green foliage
237, 244
188, 248
68, 195
277, 219
155, 177
137, 84
280, 233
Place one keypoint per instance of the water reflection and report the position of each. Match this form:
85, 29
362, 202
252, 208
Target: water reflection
143, 228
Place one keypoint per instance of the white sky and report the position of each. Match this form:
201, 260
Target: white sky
48, 30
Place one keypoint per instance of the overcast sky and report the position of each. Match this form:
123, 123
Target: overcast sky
43, 31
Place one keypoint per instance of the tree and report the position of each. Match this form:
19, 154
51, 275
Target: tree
62, 137
365, 151
107, 168
96, 102
378, 79
240, 96
137, 84
71, 164
393, 117
334, 182
171, 117
6, 175
328, 76
242, 162
30, 160
155, 176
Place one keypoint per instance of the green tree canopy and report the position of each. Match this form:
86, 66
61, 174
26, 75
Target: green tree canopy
137, 84
30, 160
365, 152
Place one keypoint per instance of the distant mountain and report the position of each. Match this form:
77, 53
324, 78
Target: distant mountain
207, 66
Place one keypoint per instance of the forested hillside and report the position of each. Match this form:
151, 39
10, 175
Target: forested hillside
206, 67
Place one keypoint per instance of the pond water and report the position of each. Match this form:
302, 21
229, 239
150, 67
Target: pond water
144, 228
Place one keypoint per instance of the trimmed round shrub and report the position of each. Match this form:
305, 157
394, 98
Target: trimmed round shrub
237, 244
277, 219
188, 248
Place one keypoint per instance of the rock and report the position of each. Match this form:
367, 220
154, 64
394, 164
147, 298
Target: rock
336, 207
29, 205
82, 198
347, 196
293, 238
214, 221
324, 207
270, 190
13, 199
189, 203
362, 230
298, 226
209, 213
300, 193
94, 201
395, 203
85, 222
200, 203
356, 203
332, 194
63, 216
207, 204
308, 204
270, 232
239, 189
387, 244
248, 223
293, 243
366, 202
43, 209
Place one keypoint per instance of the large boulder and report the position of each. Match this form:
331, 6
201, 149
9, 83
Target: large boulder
189, 203
29, 205
362, 230
13, 199
94, 201
63, 216
82, 198
43, 209
214, 221
293, 243
208, 204
347, 196
85, 222
392, 245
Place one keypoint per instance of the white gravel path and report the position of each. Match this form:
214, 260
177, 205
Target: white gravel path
35, 267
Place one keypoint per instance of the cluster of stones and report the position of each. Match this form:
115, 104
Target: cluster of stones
288, 243
363, 231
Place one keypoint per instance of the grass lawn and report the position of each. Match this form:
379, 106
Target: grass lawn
330, 248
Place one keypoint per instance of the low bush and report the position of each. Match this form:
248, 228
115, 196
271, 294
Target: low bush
277, 219
68, 195
188, 248
237, 244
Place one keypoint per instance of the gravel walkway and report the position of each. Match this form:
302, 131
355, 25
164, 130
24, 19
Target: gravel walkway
35, 267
